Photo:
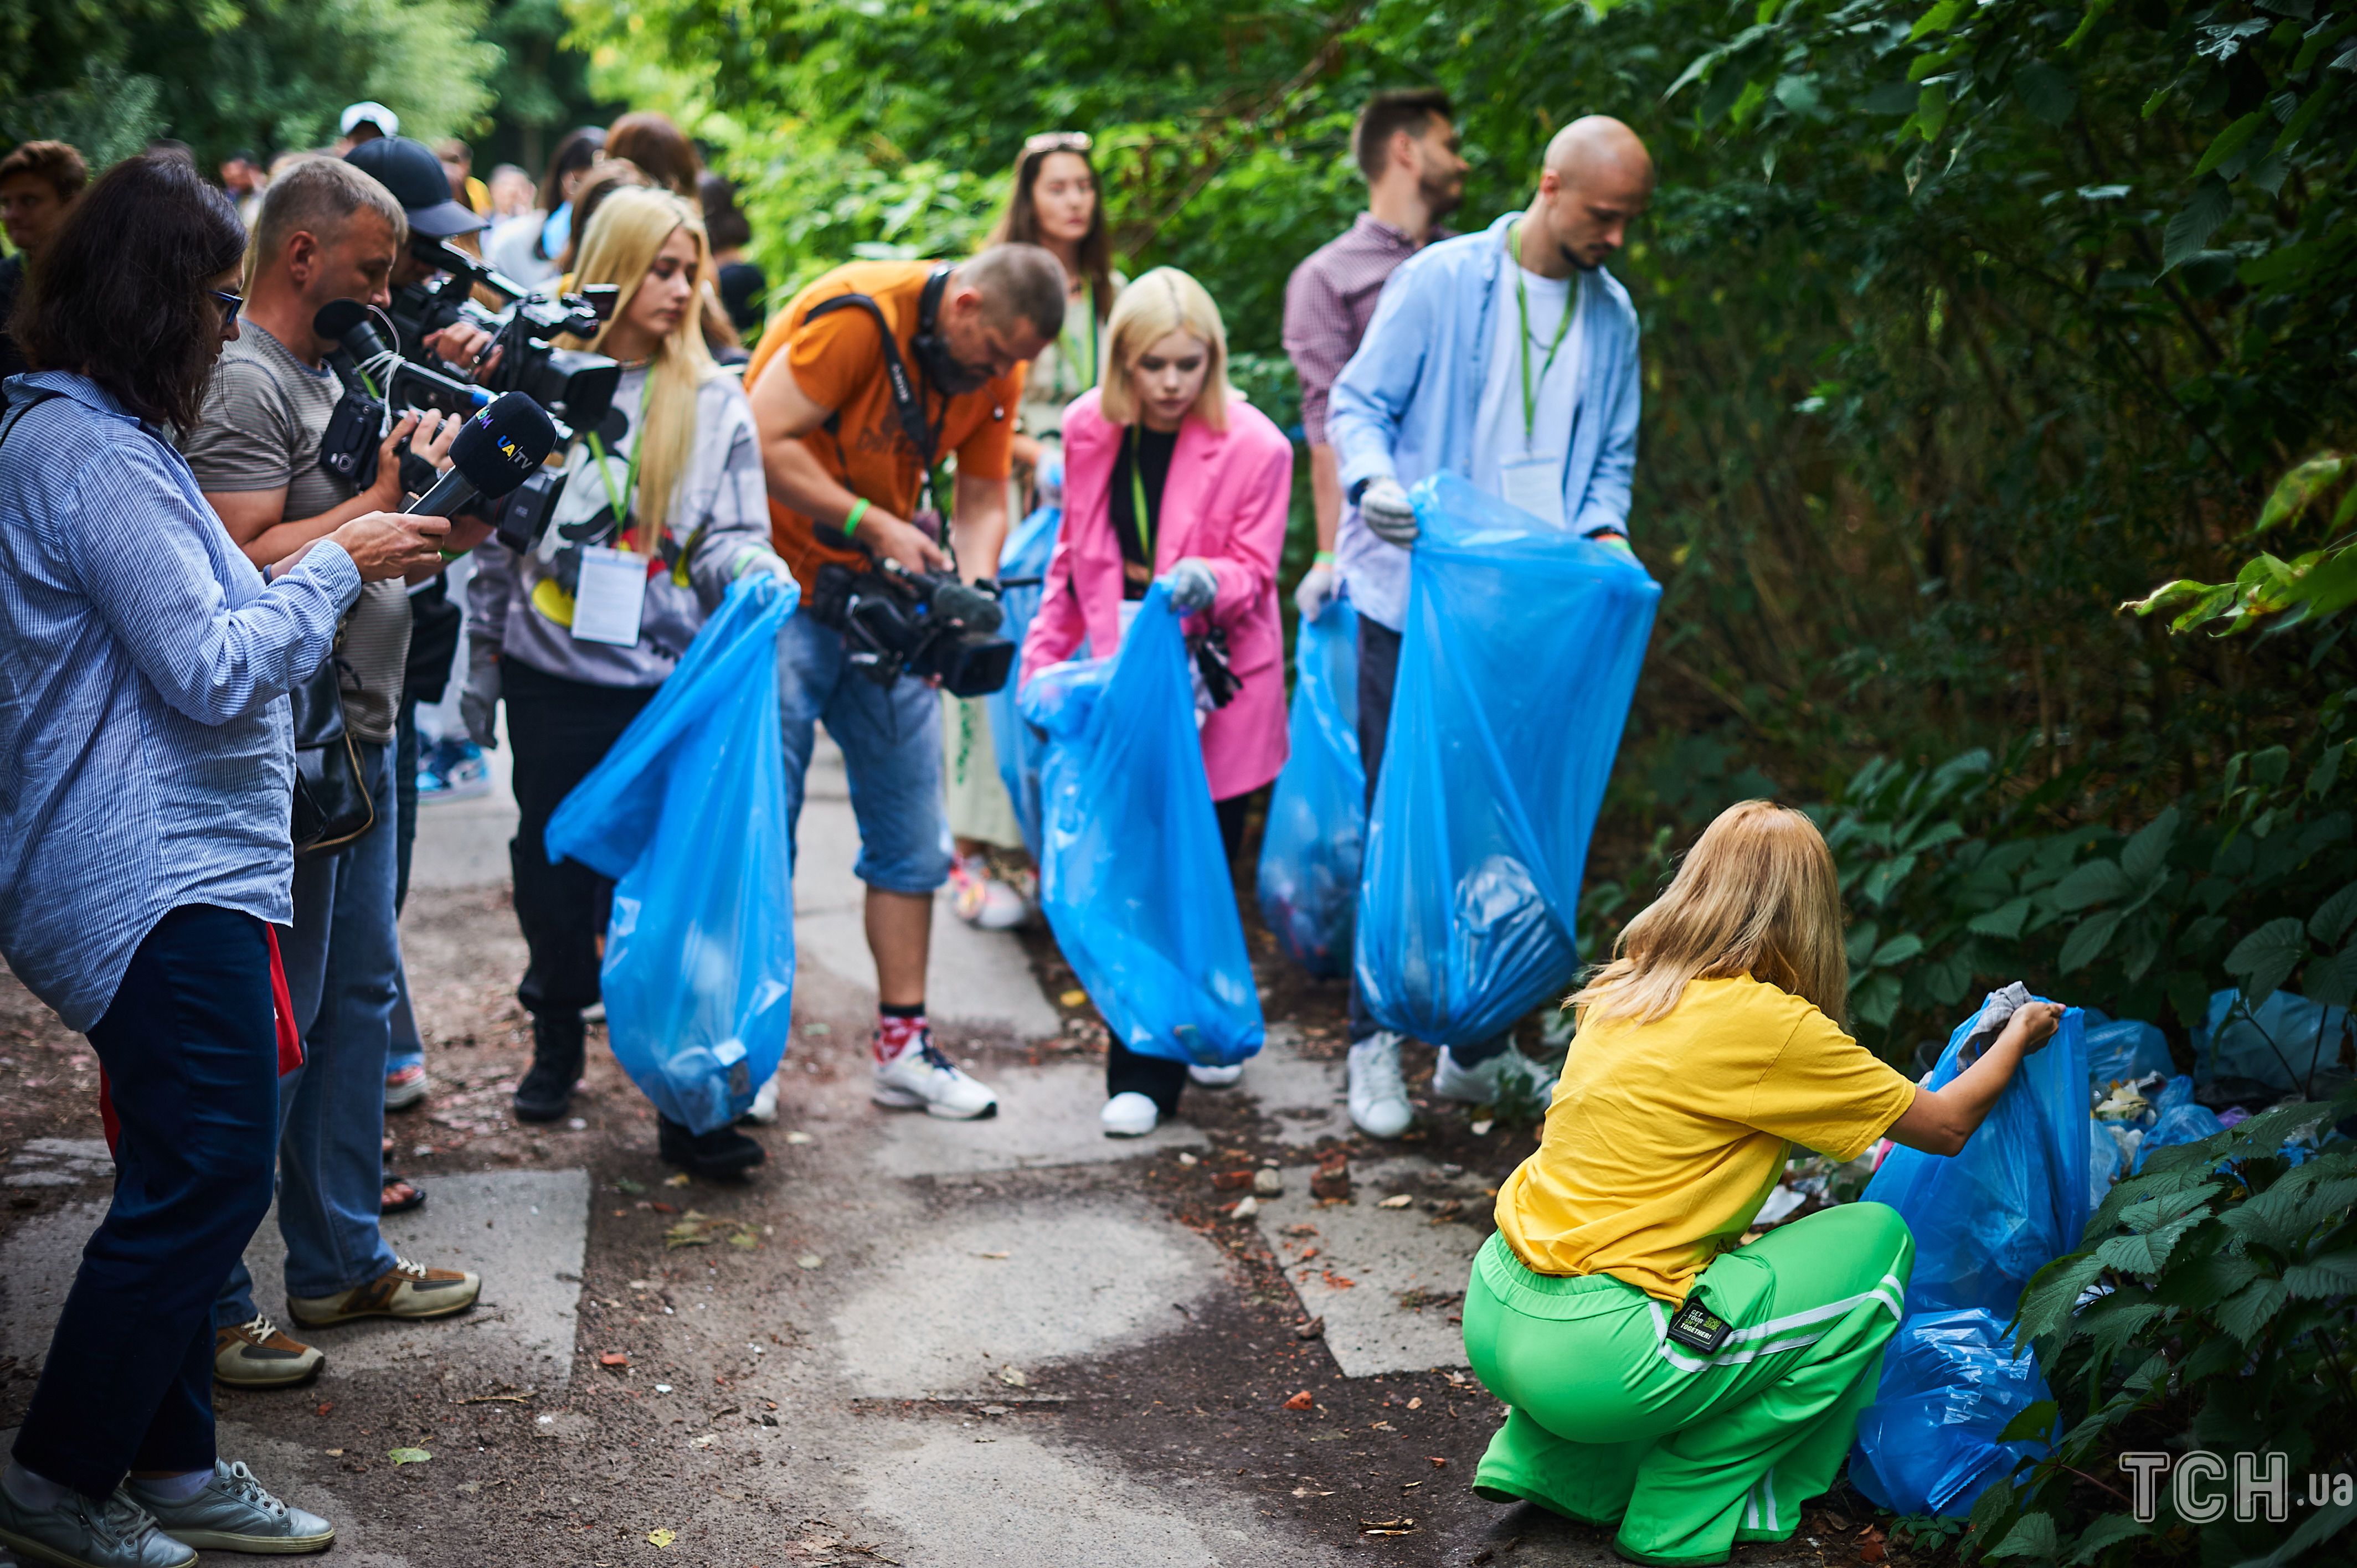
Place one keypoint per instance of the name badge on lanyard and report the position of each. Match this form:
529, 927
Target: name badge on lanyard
1534, 484
611, 598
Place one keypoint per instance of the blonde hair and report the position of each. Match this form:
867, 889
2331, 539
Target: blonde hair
1164, 301
1758, 895
631, 227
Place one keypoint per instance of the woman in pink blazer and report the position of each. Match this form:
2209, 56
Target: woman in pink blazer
1170, 475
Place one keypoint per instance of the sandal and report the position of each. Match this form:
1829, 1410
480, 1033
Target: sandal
400, 1196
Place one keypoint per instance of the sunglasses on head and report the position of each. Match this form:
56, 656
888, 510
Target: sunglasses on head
231, 303
1058, 142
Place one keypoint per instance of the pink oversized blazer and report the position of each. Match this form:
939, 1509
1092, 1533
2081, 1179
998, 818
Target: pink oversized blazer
1225, 502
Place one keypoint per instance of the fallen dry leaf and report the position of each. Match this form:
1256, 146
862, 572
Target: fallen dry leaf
1437, 1461
407, 1455
1298, 1402
1339, 1282
1013, 1378
1397, 1200
1074, 998
662, 1537
1479, 1128
798, 1137
1313, 1329
703, 1442
809, 1261
998, 1257
613, 1358
677, 1178
1416, 1403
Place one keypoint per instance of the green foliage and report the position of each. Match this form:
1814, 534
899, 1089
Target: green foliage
2209, 1307
2271, 592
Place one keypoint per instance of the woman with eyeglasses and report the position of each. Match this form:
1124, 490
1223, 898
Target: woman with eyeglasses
146, 735
1171, 477
1052, 203
648, 531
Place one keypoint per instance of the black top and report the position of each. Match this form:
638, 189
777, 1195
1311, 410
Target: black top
12, 281
744, 293
1153, 448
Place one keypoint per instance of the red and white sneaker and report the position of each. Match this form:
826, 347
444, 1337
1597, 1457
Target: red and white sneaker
921, 1078
983, 900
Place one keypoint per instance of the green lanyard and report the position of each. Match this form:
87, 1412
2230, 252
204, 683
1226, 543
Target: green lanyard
1138, 513
620, 499
1070, 354
1522, 343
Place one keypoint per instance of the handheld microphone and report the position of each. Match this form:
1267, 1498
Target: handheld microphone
495, 451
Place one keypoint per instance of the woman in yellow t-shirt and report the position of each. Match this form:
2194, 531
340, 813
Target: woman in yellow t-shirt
1659, 1377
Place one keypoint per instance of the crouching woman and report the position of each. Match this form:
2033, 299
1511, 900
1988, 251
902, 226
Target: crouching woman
1661, 1379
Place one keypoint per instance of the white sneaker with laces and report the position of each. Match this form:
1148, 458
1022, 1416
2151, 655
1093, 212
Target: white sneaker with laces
1216, 1077
1507, 1074
921, 1079
764, 1109
1129, 1115
1378, 1096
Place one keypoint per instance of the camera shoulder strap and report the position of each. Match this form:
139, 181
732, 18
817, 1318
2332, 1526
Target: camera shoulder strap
906, 402
17, 411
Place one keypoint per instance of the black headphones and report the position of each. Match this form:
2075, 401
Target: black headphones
934, 360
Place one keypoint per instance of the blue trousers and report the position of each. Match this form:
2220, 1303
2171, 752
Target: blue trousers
343, 967
191, 1059
892, 741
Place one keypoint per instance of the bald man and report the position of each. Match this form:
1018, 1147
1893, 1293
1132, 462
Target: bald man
1509, 356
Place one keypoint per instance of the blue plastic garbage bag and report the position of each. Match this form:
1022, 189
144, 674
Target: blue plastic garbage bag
2015, 1199
1951, 1381
2104, 1165
1520, 652
1132, 873
1311, 848
687, 813
2124, 1052
1025, 556
2179, 1120
2287, 1042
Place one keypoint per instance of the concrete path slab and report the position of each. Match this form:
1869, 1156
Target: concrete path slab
1047, 1116
977, 979
524, 1231
1307, 1099
1017, 1284
1404, 1268
463, 844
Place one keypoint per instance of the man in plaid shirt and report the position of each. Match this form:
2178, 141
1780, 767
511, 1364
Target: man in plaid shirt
1405, 143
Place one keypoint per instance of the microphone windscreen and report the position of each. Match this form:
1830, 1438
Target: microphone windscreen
339, 317
498, 447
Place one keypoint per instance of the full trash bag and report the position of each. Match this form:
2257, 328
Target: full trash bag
1022, 560
1311, 848
2124, 1051
687, 813
1521, 651
2015, 1198
1132, 873
2179, 1121
1951, 1381
2287, 1042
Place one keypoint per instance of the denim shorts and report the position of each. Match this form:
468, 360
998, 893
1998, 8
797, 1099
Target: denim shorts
892, 741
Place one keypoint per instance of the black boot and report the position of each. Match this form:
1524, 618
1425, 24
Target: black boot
721, 1152
546, 1091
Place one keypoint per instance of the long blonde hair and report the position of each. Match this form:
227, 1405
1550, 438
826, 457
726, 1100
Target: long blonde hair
1164, 301
1756, 895
622, 242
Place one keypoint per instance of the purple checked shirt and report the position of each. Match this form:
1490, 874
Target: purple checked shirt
1329, 301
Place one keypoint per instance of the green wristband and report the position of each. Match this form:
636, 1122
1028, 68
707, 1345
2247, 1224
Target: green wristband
851, 519
1323, 558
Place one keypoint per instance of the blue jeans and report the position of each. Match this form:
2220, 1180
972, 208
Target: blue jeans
343, 966
192, 1058
892, 741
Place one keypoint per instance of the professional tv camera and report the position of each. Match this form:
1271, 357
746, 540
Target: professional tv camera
930, 624
572, 384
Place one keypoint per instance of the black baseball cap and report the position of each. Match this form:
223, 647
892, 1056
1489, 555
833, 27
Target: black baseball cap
409, 169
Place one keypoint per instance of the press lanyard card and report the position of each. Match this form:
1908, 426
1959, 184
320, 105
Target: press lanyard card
1534, 484
1698, 1328
611, 598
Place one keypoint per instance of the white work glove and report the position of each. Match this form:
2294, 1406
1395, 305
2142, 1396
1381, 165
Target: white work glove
1389, 517
1048, 479
1316, 591
478, 704
755, 559
1192, 586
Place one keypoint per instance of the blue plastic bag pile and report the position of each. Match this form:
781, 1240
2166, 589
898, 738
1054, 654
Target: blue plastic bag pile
1132, 874
1518, 659
1311, 848
1024, 557
687, 813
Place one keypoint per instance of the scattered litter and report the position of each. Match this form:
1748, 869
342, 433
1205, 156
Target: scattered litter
1337, 1280
613, 1358
1269, 1183
697, 1229
1244, 1208
1298, 1402
1437, 1461
677, 1178
999, 1257
1313, 1329
1397, 1200
1387, 1526
1779, 1203
334, 1453
1383, 1426
1306, 1492
577, 1124
663, 1388
703, 1442
523, 1398
1452, 1170
798, 1137
632, 1188
548, 1421
662, 1537
809, 1261
1075, 997
1481, 1127
407, 1455
1013, 1378
1303, 1229
1230, 1181
1185, 1158
1416, 1403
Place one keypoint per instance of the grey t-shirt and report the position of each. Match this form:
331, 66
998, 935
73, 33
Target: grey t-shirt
264, 416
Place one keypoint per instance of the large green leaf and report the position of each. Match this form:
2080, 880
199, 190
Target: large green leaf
2265, 958
2004, 920
2106, 1531
2032, 1536
2247, 1314
2087, 939
2097, 882
2334, 1275
2191, 230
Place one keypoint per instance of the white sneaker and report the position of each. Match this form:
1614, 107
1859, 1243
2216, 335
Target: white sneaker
1129, 1115
1378, 1097
764, 1109
1506, 1076
981, 900
1216, 1077
921, 1079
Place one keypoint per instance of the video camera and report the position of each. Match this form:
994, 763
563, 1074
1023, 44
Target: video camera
572, 384
931, 624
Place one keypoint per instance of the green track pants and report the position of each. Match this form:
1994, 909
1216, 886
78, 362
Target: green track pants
1612, 1423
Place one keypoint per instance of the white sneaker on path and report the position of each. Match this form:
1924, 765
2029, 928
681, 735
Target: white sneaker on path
921, 1079
1378, 1095
1129, 1115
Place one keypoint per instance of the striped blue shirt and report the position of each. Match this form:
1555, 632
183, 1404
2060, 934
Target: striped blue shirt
147, 746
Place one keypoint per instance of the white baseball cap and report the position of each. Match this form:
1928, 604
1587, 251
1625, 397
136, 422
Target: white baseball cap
376, 114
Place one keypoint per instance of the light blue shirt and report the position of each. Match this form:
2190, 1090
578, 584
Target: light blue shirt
1406, 405
146, 746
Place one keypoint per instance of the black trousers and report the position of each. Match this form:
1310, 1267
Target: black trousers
1159, 1078
190, 1049
561, 729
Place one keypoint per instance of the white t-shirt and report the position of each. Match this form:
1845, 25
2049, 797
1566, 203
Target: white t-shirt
1526, 467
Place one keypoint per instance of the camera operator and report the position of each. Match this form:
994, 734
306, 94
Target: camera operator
410, 170
144, 853
648, 529
846, 474
327, 233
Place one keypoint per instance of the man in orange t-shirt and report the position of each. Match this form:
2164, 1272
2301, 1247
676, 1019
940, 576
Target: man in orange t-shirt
846, 484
